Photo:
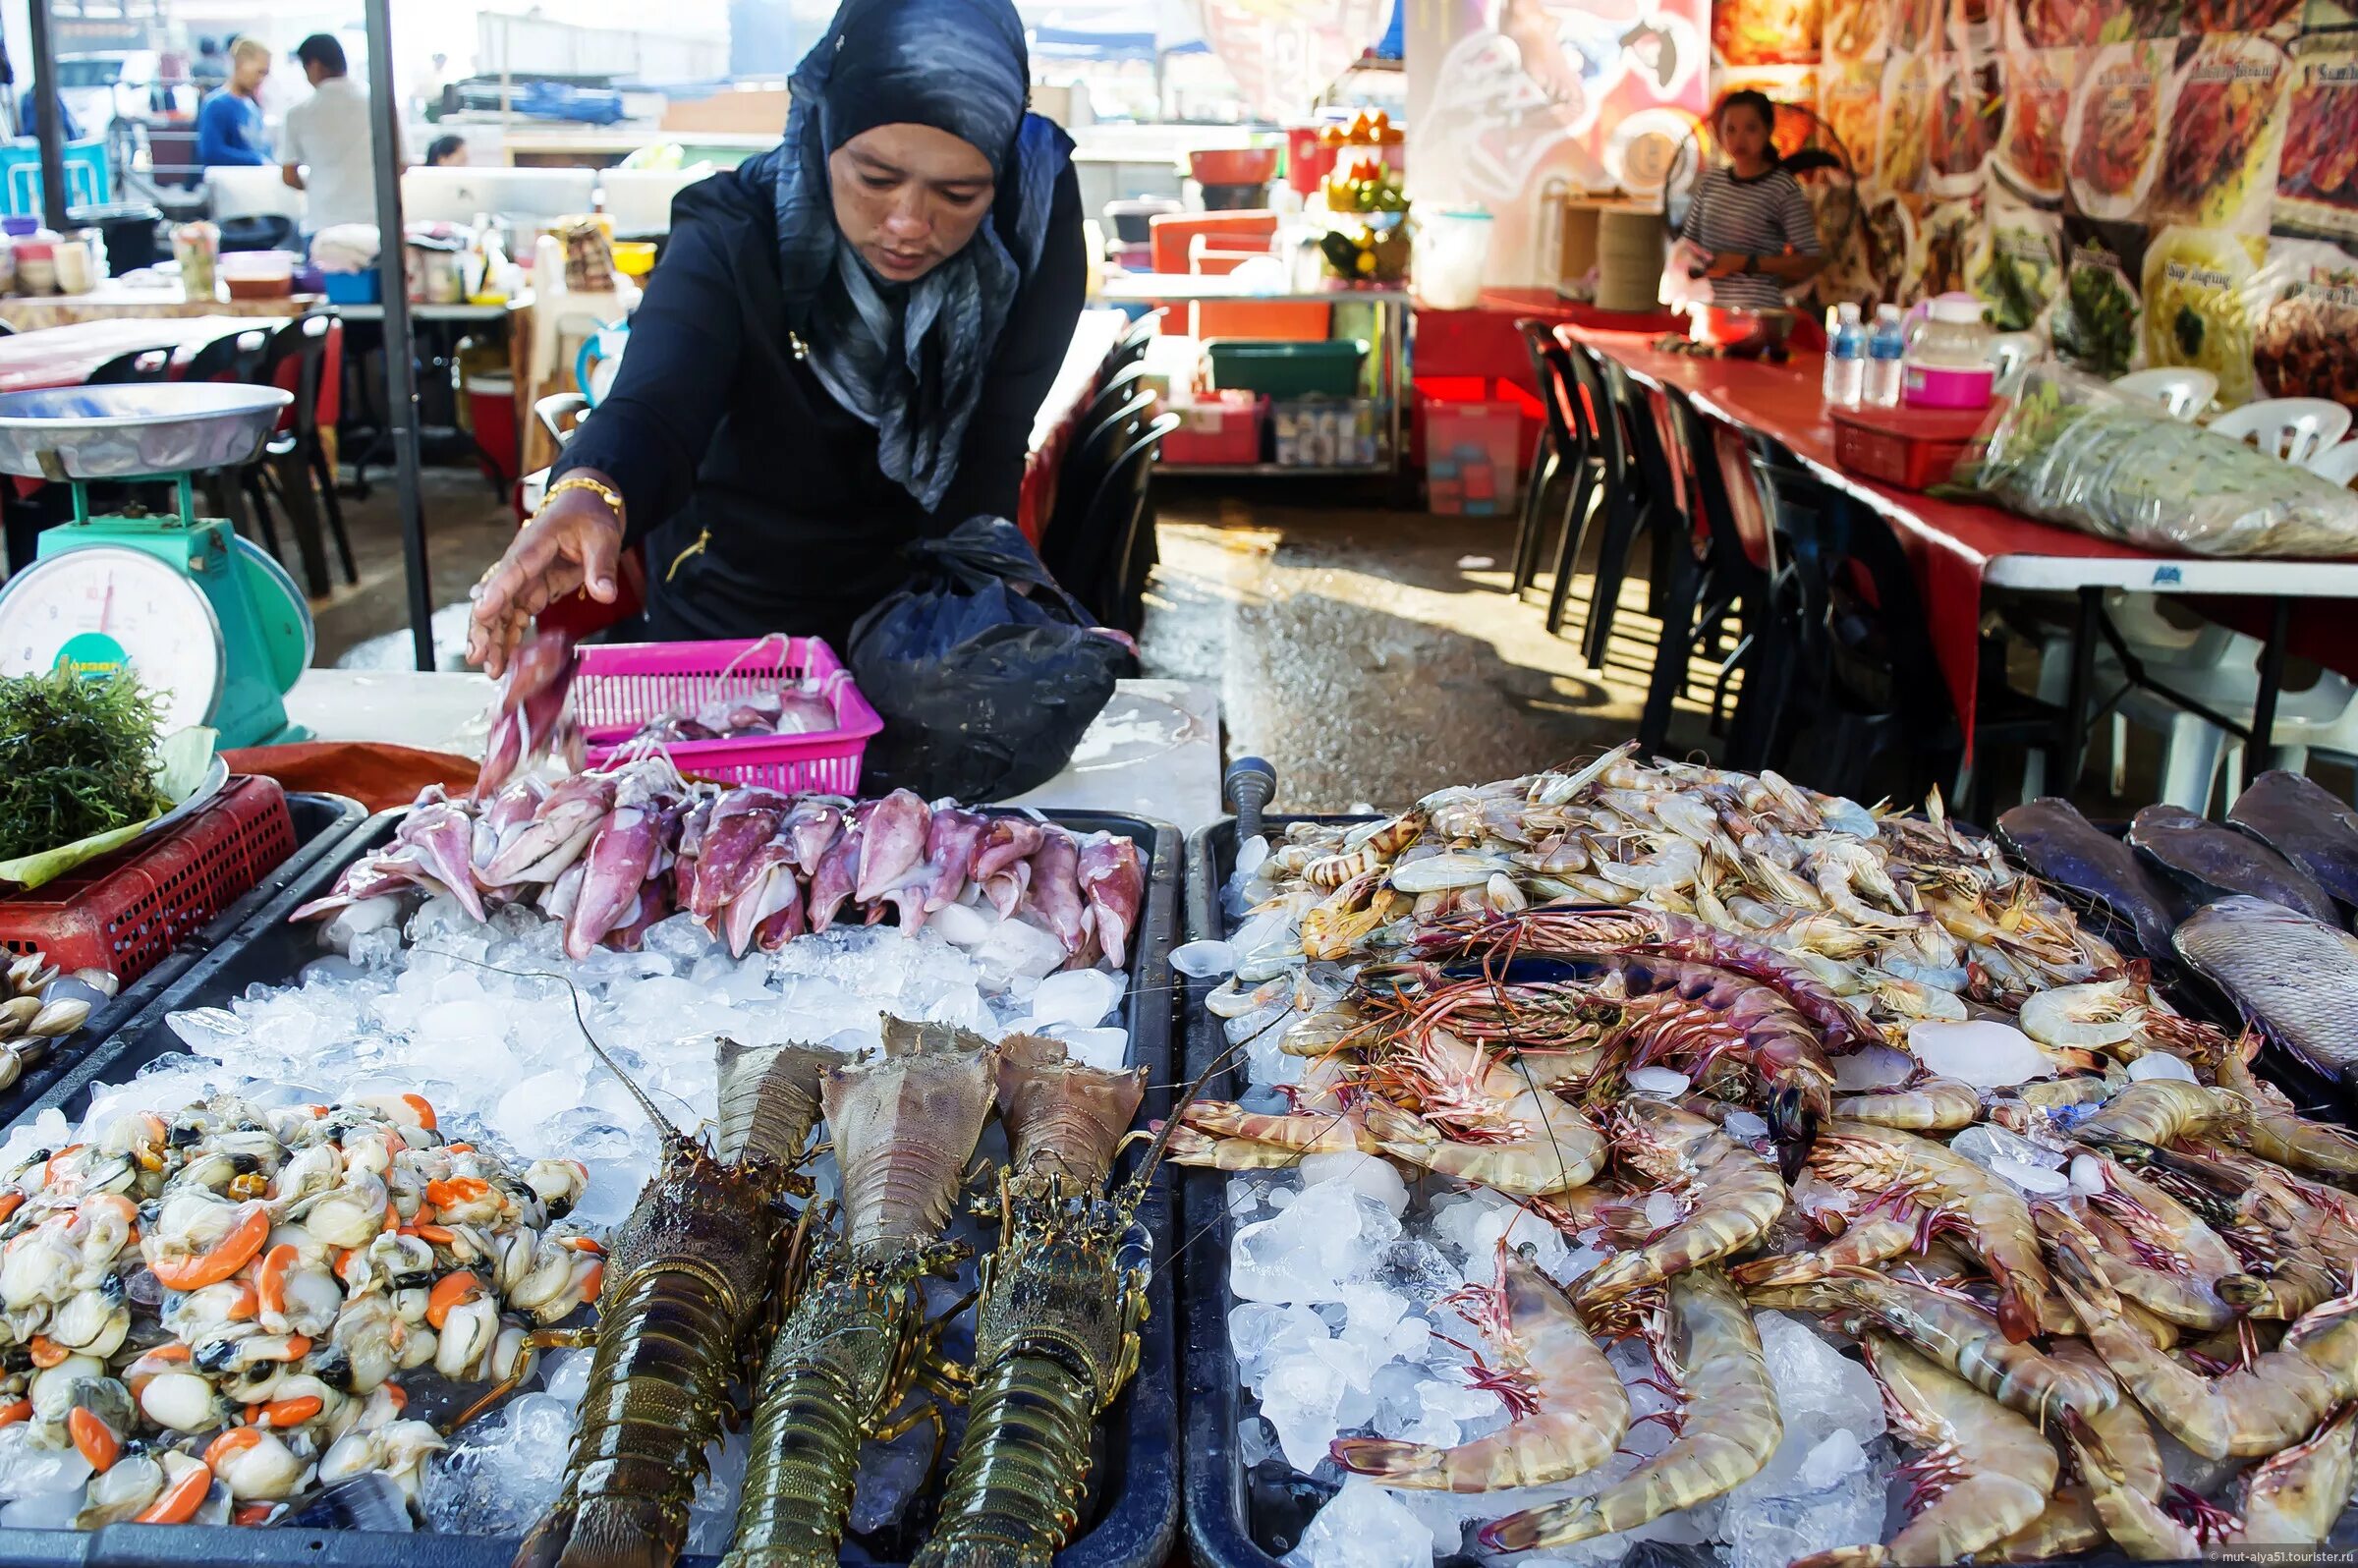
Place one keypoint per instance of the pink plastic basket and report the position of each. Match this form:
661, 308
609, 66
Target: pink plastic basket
618, 687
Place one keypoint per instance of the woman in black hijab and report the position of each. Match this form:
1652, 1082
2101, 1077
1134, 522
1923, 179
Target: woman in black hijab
842, 349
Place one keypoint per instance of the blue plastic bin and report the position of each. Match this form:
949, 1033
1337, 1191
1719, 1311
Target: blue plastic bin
353, 288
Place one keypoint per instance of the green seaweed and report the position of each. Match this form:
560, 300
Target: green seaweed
75, 758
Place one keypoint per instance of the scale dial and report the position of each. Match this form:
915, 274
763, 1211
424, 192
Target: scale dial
106, 607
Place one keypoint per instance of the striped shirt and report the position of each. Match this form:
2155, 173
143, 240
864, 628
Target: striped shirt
1765, 215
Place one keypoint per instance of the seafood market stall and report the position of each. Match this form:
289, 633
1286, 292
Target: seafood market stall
654, 1149
462, 1097
1641, 1156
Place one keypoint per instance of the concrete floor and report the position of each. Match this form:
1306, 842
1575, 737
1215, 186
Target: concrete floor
1373, 656
467, 527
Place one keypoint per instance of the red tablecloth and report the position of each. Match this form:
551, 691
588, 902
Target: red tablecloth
1950, 543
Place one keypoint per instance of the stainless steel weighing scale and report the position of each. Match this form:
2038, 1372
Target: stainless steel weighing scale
209, 622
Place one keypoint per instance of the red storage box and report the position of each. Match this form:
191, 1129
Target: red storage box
126, 912
1913, 449
1217, 428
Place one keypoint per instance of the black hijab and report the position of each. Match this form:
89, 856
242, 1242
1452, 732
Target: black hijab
910, 359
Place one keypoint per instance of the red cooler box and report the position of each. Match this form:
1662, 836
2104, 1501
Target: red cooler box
1216, 427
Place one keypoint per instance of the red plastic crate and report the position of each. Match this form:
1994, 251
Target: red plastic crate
1216, 427
126, 912
1911, 448
618, 687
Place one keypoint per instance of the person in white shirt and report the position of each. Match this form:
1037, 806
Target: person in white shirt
327, 145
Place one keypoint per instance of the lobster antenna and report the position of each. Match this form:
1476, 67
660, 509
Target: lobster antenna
573, 996
1171, 1119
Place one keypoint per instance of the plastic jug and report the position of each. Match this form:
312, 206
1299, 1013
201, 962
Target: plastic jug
1453, 249
600, 361
1947, 361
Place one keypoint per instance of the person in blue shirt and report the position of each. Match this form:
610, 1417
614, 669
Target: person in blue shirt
229, 124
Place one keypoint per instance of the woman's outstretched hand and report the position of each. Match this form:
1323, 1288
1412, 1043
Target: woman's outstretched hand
575, 542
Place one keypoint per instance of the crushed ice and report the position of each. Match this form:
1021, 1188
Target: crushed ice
1342, 1277
479, 1019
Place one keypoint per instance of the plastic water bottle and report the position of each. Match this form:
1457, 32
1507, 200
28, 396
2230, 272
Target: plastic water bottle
1845, 356
1884, 347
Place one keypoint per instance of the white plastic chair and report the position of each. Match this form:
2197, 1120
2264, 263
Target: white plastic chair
2195, 752
2296, 429
2163, 644
2184, 391
2338, 464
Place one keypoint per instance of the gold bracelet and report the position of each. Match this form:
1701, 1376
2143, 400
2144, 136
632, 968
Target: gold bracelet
603, 492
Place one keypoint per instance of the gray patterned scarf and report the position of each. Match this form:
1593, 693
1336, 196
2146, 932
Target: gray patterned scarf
910, 358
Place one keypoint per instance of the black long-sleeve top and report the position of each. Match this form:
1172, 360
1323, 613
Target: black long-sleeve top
715, 431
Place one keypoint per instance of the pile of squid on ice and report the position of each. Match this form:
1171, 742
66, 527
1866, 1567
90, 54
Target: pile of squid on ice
609, 852
1649, 1152
290, 1313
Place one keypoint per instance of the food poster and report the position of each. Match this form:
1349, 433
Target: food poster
2316, 175
1512, 104
2146, 181
2097, 320
1850, 100
1904, 139
2016, 268
2201, 306
2031, 152
2307, 343
1951, 232
2217, 168
2119, 111
1766, 33
1856, 31
2276, 19
1966, 102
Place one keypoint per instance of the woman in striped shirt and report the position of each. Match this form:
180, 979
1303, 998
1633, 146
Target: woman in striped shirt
1750, 214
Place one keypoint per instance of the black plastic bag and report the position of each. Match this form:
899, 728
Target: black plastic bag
987, 673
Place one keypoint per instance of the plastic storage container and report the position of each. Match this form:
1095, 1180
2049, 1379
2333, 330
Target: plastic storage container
1914, 449
1324, 367
1473, 456
1453, 248
125, 911
353, 287
617, 687
1130, 1515
1217, 428
257, 274
1324, 433
1947, 365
